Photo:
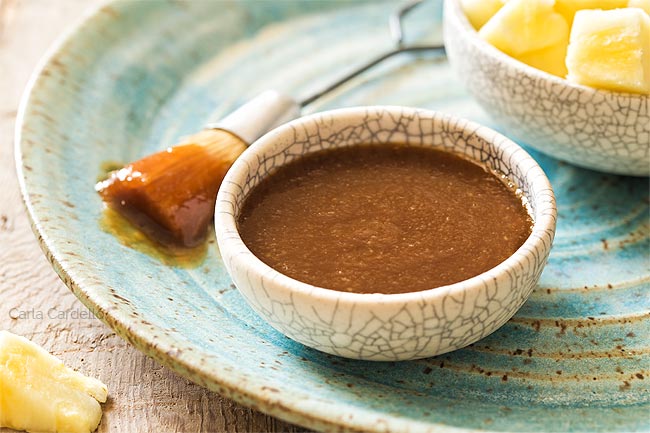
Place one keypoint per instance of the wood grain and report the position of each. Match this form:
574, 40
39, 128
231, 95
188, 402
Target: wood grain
34, 303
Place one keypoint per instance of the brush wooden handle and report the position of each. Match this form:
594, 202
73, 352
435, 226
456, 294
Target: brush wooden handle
259, 115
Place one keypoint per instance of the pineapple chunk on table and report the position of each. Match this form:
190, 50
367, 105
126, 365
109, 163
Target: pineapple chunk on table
38, 393
611, 50
642, 4
478, 12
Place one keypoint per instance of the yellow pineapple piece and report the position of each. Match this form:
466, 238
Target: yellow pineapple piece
610, 50
522, 26
568, 8
38, 393
478, 12
550, 59
643, 4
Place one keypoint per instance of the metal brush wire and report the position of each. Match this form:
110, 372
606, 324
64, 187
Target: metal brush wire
396, 26
272, 108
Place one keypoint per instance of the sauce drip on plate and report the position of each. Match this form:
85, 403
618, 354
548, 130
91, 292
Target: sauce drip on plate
127, 234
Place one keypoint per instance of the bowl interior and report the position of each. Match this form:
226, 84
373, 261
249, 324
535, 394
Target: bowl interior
377, 125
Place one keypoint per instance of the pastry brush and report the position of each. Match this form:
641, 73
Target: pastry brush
170, 195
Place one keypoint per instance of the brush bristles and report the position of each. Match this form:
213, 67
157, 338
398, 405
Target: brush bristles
170, 195
216, 140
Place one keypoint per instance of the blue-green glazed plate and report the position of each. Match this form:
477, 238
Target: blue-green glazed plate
138, 75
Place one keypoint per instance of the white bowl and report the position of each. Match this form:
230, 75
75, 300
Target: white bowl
592, 128
380, 326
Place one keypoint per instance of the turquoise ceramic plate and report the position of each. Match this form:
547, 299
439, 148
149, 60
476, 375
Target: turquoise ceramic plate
138, 75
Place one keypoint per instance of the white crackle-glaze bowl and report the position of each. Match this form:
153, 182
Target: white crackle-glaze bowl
379, 326
592, 128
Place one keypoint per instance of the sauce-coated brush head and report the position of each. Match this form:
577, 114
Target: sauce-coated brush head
170, 195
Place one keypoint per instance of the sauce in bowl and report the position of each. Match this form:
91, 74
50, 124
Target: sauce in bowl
383, 219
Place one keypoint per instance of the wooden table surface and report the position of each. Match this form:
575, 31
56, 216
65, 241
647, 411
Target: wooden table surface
143, 396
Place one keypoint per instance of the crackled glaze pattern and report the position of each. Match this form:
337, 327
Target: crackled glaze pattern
592, 128
386, 327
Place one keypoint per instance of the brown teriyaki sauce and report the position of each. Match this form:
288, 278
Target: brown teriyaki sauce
383, 219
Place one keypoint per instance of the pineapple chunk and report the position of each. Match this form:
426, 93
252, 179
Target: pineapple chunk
40, 394
550, 59
522, 26
643, 4
568, 8
478, 12
611, 50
